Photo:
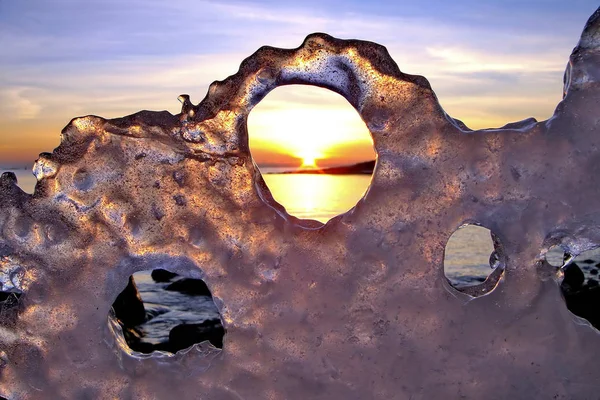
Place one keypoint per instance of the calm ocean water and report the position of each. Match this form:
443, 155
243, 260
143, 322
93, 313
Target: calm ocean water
314, 196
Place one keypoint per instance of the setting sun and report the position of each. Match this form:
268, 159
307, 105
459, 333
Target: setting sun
305, 126
309, 162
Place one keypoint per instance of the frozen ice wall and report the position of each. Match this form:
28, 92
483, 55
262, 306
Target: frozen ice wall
355, 309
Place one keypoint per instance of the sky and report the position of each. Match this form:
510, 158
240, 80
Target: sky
489, 62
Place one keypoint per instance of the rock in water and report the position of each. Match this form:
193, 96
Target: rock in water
185, 335
192, 287
573, 277
585, 303
129, 307
162, 275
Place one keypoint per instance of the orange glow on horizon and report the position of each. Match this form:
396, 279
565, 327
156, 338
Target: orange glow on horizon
302, 126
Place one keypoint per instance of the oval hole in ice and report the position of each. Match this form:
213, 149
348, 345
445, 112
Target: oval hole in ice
579, 284
472, 263
163, 311
555, 256
314, 151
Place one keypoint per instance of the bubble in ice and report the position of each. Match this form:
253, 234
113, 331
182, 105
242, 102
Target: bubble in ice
358, 308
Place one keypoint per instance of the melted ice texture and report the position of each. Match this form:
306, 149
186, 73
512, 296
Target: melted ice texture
355, 309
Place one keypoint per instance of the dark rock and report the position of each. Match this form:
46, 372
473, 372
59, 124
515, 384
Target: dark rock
142, 347
192, 287
585, 303
594, 272
573, 277
592, 283
129, 307
132, 334
186, 335
587, 261
162, 275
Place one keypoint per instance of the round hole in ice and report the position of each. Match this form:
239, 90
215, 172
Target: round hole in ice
314, 151
162, 311
473, 264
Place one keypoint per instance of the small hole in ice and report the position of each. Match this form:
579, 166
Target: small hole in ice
580, 285
555, 256
313, 149
471, 262
163, 311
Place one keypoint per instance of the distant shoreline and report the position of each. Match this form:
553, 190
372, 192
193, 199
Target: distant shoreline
363, 168
21, 168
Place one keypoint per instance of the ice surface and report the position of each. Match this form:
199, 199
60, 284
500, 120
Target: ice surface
356, 309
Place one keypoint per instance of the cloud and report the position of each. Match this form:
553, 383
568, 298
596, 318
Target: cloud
464, 60
19, 103
116, 88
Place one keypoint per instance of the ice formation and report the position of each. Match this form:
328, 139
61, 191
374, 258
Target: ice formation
355, 309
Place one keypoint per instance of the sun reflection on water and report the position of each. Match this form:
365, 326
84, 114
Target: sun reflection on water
317, 196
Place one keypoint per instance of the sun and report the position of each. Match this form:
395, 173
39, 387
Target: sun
308, 162
309, 154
